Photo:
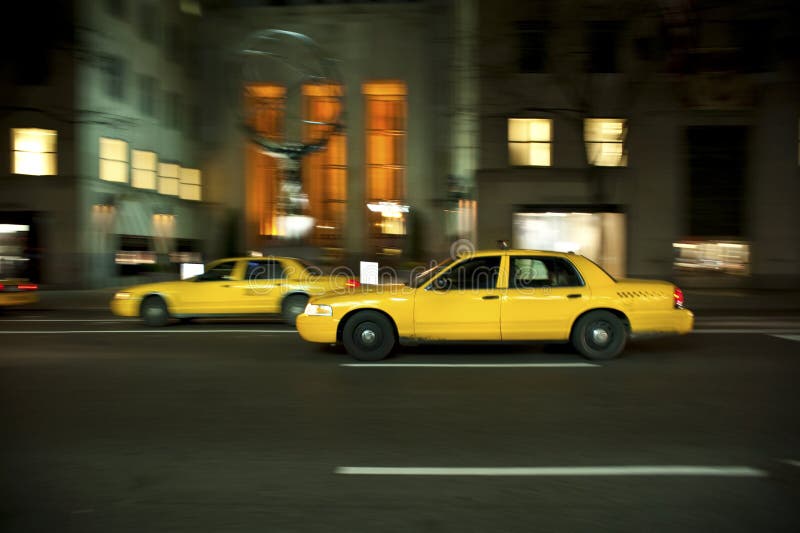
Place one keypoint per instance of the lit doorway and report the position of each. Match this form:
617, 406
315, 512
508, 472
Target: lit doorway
600, 236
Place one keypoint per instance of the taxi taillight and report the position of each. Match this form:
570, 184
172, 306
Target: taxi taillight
352, 283
27, 286
677, 298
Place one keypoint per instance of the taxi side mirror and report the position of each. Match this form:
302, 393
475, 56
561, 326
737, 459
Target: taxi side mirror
442, 283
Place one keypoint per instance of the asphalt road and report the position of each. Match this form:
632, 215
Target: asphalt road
242, 427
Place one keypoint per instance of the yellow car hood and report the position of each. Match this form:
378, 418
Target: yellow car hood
364, 291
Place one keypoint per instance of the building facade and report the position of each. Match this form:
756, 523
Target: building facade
102, 184
658, 139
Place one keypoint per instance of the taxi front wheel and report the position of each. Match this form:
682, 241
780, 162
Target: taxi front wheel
368, 336
599, 335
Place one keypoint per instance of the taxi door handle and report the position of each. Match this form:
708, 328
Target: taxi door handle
490, 297
574, 295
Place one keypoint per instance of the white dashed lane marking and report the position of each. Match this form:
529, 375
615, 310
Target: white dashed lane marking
562, 471
470, 365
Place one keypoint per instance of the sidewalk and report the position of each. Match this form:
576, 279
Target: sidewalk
706, 302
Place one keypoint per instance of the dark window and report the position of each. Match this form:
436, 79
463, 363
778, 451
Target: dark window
478, 273
172, 104
176, 48
32, 64
603, 41
757, 48
260, 270
195, 122
532, 272
717, 163
193, 62
147, 95
532, 46
115, 77
220, 272
148, 22
117, 8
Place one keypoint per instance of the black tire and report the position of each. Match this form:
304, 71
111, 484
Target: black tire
292, 306
368, 336
154, 311
599, 335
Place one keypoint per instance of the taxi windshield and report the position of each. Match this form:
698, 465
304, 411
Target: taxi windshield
420, 279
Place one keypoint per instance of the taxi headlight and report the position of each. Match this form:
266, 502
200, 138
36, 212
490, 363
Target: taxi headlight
123, 296
318, 310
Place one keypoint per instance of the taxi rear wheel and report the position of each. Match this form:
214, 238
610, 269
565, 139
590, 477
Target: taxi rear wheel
368, 336
154, 311
292, 306
599, 335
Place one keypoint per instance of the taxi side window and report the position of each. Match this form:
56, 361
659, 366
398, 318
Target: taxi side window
263, 270
478, 273
528, 272
564, 273
219, 272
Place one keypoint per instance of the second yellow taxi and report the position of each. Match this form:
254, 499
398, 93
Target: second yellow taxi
231, 287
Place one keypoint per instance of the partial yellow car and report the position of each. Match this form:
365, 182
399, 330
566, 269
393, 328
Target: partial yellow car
17, 291
230, 287
502, 295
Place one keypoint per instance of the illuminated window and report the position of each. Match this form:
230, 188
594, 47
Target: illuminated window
191, 7
605, 142
728, 257
168, 178
190, 182
529, 141
144, 167
113, 160
386, 151
264, 106
34, 151
163, 232
325, 172
386, 140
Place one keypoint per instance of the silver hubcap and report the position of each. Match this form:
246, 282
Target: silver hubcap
600, 336
367, 336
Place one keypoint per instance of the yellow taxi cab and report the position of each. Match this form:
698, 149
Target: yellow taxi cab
17, 291
231, 287
502, 295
